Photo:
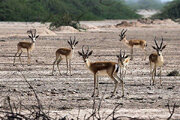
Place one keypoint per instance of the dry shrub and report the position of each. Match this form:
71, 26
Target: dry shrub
174, 73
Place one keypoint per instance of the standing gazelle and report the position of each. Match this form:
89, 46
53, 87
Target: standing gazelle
123, 61
29, 46
66, 53
157, 60
102, 68
133, 43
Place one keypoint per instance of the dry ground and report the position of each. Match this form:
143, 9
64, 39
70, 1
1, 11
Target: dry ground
66, 94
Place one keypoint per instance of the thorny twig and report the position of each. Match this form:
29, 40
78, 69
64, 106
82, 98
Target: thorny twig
113, 113
38, 101
171, 112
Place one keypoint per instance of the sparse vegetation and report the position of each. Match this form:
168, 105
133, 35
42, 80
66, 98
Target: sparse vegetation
65, 20
174, 73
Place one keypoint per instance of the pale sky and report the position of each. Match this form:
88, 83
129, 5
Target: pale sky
166, 0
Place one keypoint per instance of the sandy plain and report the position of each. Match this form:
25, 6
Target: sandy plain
68, 94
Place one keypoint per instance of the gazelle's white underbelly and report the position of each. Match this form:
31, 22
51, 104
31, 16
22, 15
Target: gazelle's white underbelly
159, 64
64, 57
25, 49
102, 73
137, 46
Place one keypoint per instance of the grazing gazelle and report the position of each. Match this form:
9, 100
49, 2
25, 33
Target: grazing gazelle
133, 43
157, 60
66, 53
123, 61
102, 68
29, 46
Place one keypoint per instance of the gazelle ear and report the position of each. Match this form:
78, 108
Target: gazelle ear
37, 36
80, 53
90, 53
126, 56
163, 47
154, 47
30, 36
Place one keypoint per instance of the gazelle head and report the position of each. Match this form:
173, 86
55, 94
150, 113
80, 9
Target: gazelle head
159, 48
72, 43
122, 35
86, 54
123, 59
33, 35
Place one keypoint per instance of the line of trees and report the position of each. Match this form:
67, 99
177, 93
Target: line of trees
48, 10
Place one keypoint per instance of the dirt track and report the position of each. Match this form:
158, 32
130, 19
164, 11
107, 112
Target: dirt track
69, 93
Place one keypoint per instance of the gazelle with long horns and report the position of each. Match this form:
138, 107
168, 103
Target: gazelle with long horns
156, 60
123, 61
133, 43
65, 53
102, 68
28, 46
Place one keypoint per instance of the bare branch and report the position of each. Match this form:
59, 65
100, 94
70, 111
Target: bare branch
171, 112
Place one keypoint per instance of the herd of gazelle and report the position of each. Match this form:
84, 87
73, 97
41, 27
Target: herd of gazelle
99, 68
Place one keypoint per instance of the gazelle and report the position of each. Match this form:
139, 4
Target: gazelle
133, 43
102, 68
29, 46
66, 53
123, 61
157, 60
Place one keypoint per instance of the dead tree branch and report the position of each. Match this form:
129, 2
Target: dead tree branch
171, 112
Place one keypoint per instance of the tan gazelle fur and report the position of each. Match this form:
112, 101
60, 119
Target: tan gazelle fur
66, 53
27, 46
123, 61
133, 43
102, 68
157, 60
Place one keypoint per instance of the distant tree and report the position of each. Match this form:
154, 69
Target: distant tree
171, 10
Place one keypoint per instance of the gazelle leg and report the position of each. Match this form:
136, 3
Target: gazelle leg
29, 57
120, 74
94, 85
15, 59
122, 84
59, 60
97, 85
151, 73
53, 66
20, 58
154, 73
131, 53
124, 73
160, 76
116, 84
15, 56
67, 65
145, 53
153, 77
70, 66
